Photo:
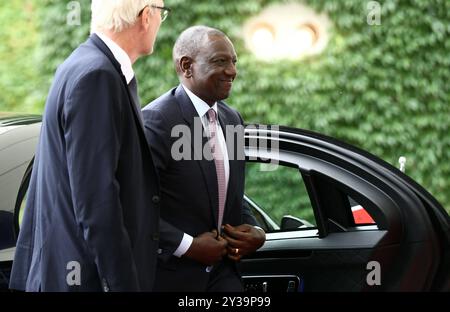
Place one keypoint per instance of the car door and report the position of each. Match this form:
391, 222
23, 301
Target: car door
302, 176
18, 139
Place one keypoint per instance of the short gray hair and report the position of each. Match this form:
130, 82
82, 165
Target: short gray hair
115, 15
190, 41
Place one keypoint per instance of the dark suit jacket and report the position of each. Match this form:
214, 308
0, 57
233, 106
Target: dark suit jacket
94, 190
189, 197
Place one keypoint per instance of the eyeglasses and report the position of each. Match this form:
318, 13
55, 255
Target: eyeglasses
164, 11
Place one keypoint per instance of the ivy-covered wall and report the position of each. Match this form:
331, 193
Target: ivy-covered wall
19, 73
383, 88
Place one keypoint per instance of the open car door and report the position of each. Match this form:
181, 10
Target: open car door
402, 243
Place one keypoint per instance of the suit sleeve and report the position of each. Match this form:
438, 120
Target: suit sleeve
91, 122
158, 135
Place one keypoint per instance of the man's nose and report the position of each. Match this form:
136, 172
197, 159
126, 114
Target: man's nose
231, 69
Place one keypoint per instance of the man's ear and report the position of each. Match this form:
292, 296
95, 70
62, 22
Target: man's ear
145, 17
185, 65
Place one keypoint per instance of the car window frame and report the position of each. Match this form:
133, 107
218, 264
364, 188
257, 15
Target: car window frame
23, 189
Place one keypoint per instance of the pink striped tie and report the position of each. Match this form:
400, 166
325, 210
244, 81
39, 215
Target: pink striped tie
219, 162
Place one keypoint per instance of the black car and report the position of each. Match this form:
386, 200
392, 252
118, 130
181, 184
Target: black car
354, 222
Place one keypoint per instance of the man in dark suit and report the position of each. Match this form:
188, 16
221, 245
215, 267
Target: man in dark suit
204, 227
91, 220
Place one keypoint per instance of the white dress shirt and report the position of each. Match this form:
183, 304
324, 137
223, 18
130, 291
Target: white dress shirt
202, 110
120, 55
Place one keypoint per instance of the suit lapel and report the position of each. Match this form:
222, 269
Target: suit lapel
207, 167
134, 96
104, 48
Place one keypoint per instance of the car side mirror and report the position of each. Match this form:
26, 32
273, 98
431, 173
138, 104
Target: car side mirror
290, 223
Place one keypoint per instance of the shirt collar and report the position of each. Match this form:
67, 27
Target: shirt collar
201, 106
120, 55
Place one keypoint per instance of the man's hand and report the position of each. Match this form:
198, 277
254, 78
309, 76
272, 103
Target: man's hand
242, 240
207, 248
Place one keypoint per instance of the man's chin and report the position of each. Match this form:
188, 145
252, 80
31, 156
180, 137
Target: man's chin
148, 51
225, 96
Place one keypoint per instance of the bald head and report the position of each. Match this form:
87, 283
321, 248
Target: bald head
191, 41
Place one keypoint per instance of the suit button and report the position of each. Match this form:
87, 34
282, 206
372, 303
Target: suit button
155, 236
159, 251
105, 285
155, 199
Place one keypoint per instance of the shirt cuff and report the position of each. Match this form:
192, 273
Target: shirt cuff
259, 228
186, 242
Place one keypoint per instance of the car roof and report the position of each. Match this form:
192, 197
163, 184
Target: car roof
11, 119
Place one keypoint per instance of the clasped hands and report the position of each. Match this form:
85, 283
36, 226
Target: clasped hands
234, 242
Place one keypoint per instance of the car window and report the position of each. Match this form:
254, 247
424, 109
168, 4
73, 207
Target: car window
279, 191
22, 208
22, 198
263, 220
